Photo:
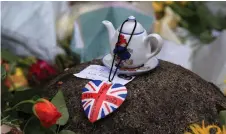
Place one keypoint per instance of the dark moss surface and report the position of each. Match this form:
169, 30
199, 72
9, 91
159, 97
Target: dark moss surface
163, 101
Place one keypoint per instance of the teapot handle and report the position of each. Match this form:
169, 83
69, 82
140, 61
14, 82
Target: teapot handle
154, 39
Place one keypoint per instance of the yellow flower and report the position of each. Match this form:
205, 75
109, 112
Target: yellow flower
19, 72
196, 129
158, 6
16, 80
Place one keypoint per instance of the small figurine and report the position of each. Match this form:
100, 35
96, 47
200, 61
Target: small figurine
123, 53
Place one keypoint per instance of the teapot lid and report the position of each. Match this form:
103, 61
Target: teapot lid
129, 25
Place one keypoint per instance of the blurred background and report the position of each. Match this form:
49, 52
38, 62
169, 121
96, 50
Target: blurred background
41, 39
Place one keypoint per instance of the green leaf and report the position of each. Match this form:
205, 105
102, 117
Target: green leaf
36, 97
54, 128
22, 88
8, 56
182, 11
11, 119
24, 95
184, 24
222, 116
26, 62
3, 73
6, 96
34, 126
210, 21
66, 132
26, 108
206, 37
59, 102
12, 67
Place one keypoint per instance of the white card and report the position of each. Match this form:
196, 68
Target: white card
97, 72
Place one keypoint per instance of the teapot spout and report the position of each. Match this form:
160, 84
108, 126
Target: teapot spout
110, 28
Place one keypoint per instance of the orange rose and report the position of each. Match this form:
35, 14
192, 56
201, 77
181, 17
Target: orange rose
46, 112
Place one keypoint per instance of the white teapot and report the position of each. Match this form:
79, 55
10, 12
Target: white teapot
139, 48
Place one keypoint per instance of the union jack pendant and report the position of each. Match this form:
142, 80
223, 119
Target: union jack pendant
100, 98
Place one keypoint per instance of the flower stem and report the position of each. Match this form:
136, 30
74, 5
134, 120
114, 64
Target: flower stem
22, 102
5, 118
27, 124
58, 128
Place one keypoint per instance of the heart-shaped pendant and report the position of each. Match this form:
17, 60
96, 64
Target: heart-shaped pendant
101, 98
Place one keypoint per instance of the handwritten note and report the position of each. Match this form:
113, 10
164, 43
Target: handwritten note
97, 72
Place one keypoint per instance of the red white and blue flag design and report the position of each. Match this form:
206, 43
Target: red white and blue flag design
102, 98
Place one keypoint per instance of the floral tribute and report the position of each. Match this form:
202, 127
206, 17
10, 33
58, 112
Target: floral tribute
24, 106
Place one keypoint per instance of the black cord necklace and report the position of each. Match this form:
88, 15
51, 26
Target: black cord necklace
118, 65
95, 92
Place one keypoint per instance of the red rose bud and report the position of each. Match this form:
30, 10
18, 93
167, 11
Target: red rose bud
46, 112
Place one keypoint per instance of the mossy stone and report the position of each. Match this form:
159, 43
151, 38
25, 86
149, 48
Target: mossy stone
165, 100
